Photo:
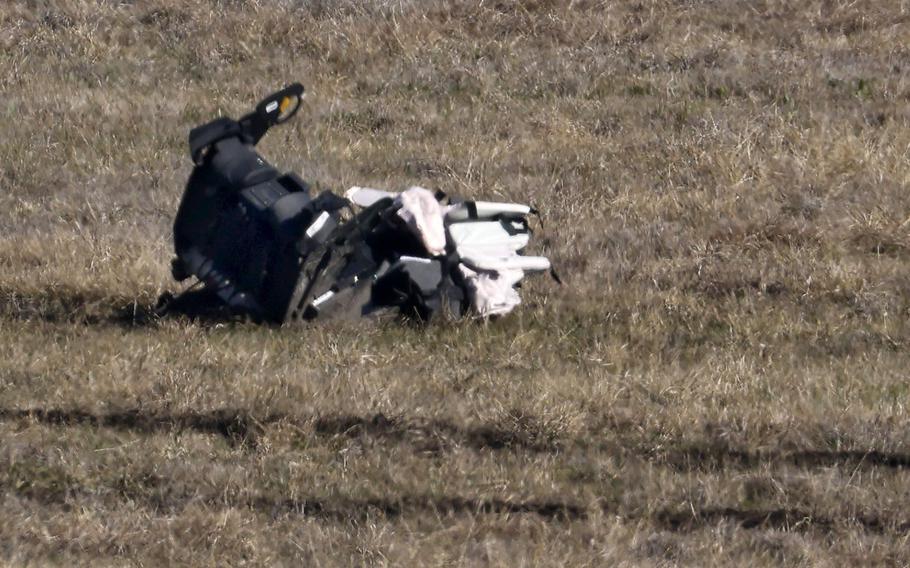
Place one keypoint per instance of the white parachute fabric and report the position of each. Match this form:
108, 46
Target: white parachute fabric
487, 238
366, 196
492, 293
422, 214
507, 262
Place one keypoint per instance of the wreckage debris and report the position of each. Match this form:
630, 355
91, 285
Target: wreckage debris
261, 245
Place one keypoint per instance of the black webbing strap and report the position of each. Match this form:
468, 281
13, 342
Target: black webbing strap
536, 212
471, 206
328, 201
555, 275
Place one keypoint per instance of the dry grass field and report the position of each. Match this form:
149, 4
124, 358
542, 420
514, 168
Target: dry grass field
723, 380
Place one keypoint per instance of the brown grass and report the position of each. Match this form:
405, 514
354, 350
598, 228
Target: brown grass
722, 381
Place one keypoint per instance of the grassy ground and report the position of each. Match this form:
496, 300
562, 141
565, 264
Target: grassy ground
722, 381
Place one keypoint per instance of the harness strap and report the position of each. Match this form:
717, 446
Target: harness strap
536, 212
555, 275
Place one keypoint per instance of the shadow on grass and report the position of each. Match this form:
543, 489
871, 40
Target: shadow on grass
436, 436
790, 520
719, 457
236, 427
94, 308
345, 509
240, 428
47, 485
